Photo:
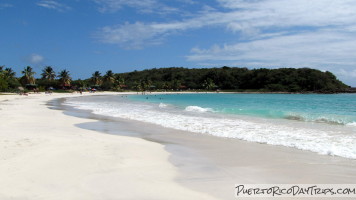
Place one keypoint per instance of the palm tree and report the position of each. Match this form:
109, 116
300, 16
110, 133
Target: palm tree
147, 83
28, 75
1, 74
96, 78
64, 78
108, 80
109, 77
48, 73
8, 73
3, 83
120, 81
209, 84
137, 86
166, 86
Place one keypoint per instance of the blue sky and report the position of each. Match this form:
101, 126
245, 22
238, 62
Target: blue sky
125, 35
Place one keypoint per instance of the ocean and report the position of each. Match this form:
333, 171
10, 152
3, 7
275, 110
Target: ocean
325, 124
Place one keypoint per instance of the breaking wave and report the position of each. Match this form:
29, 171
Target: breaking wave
320, 139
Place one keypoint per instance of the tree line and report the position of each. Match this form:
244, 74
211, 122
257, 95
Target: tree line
236, 79
179, 78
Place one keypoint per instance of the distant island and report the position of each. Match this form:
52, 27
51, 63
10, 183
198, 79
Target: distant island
293, 80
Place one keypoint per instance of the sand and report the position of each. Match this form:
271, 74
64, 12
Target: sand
213, 165
46, 154
43, 155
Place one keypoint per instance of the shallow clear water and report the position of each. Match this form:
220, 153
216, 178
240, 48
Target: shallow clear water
325, 124
337, 109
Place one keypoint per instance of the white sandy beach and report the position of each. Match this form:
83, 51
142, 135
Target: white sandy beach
43, 155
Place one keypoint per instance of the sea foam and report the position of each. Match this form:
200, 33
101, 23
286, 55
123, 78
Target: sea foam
329, 119
162, 105
351, 124
320, 141
197, 109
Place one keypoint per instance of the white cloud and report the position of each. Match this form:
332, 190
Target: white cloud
143, 6
130, 36
35, 59
291, 13
138, 34
348, 76
347, 73
114, 5
52, 4
322, 47
257, 19
310, 33
295, 33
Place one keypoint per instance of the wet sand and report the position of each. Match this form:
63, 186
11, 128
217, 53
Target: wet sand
45, 156
214, 165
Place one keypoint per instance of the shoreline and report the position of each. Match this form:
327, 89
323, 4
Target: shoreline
214, 165
321, 129
49, 154
43, 155
183, 92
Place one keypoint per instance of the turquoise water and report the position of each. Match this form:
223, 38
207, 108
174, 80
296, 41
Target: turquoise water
325, 124
334, 109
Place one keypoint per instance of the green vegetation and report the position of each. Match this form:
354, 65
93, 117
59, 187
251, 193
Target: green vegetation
64, 79
8, 81
236, 79
28, 76
225, 78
